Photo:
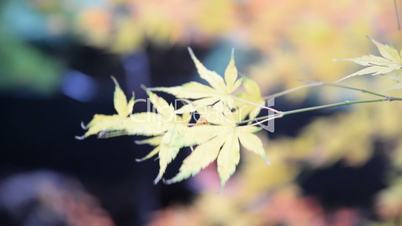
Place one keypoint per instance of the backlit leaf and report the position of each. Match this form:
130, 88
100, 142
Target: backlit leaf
228, 158
252, 143
389, 61
213, 78
231, 74
227, 136
151, 154
198, 95
200, 158
120, 100
112, 125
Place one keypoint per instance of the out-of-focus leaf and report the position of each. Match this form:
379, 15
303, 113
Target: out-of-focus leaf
390, 60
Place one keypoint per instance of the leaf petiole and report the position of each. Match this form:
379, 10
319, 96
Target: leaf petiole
319, 84
325, 106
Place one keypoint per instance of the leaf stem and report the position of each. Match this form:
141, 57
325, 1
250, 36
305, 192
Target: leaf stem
325, 106
397, 15
339, 104
319, 84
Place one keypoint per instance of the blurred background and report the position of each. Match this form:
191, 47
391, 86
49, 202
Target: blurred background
336, 167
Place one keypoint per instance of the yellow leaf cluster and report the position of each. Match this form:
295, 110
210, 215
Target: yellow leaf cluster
220, 104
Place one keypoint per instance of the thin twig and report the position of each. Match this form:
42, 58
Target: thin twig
285, 92
269, 118
397, 14
255, 104
325, 106
319, 84
343, 103
278, 114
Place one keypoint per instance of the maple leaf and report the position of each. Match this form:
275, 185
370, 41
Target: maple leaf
124, 122
170, 131
220, 89
224, 148
102, 122
390, 60
250, 101
177, 134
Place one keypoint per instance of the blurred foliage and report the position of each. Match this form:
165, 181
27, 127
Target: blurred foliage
52, 199
297, 41
22, 66
284, 207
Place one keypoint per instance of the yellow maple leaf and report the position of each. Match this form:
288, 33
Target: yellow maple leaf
124, 122
389, 61
220, 89
250, 101
225, 148
123, 108
177, 134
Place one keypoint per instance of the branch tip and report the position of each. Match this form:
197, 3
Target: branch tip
80, 137
114, 80
157, 179
83, 126
145, 88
